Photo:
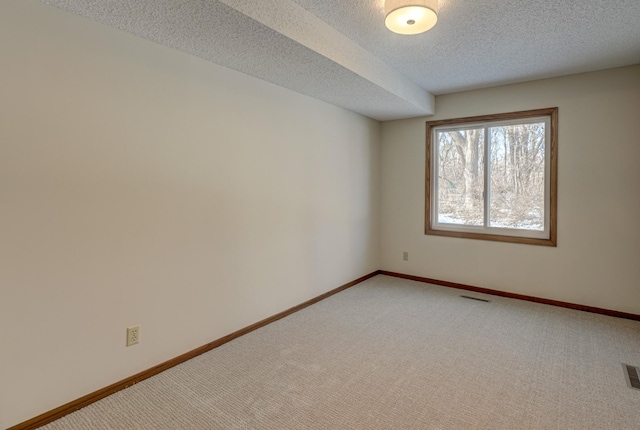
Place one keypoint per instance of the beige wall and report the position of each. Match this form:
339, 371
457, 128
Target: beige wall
140, 185
597, 261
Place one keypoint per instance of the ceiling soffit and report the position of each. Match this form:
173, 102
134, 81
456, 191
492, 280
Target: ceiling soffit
275, 40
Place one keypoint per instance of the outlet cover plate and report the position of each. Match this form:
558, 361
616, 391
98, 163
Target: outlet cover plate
133, 335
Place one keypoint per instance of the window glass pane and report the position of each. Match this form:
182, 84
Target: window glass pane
460, 158
517, 156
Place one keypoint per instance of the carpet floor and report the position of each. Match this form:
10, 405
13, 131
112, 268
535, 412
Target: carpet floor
396, 354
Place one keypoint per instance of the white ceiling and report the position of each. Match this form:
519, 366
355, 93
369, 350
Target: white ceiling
339, 51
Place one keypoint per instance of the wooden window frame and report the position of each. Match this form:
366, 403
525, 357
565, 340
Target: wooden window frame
552, 113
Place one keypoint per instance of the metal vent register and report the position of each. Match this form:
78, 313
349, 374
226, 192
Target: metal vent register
475, 298
633, 376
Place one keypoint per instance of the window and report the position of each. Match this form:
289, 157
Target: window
494, 177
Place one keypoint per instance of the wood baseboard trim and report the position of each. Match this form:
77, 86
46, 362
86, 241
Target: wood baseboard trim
584, 308
80, 403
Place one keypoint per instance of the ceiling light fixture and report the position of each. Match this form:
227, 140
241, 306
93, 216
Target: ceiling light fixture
410, 16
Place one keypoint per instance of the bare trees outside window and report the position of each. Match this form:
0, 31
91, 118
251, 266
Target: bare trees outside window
493, 177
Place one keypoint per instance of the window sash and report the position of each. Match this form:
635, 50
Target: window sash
486, 230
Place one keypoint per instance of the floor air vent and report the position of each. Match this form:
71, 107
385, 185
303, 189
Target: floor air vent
633, 376
475, 298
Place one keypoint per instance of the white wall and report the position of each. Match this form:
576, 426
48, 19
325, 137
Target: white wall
596, 261
139, 185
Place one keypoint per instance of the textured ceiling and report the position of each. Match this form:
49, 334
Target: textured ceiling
482, 43
339, 51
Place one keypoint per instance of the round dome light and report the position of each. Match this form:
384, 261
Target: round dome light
411, 16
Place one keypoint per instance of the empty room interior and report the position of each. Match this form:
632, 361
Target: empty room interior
319, 214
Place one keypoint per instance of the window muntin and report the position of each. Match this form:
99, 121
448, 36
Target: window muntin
493, 177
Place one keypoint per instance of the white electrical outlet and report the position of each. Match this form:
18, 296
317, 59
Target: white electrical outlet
405, 256
133, 335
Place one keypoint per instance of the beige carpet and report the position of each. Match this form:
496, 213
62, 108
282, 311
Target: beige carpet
396, 354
